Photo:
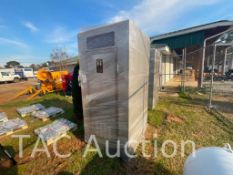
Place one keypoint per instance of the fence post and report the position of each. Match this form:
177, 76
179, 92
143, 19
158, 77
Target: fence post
183, 70
212, 78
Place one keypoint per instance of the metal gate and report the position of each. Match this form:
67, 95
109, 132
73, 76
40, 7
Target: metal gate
177, 71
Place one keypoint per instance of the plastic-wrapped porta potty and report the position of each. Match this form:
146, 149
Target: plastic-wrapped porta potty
3, 117
12, 125
210, 161
114, 69
25, 111
154, 76
55, 130
47, 113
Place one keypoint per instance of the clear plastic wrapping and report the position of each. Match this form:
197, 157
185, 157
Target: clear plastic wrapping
114, 82
55, 129
12, 125
47, 113
153, 88
25, 111
3, 117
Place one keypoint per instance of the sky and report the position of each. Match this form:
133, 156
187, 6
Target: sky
31, 29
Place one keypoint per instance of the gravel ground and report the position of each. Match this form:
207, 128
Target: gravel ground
9, 90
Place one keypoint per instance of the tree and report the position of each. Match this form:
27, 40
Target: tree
35, 66
43, 65
58, 56
12, 64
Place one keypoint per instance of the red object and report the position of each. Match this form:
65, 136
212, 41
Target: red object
66, 82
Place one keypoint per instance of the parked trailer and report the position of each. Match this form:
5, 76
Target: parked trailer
8, 75
25, 73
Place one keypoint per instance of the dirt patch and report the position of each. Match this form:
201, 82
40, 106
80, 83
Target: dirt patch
174, 83
8, 91
224, 105
151, 132
175, 119
4, 164
140, 166
166, 94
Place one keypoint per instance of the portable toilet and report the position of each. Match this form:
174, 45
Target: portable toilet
114, 71
154, 68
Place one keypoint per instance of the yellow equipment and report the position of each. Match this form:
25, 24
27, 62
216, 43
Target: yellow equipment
50, 81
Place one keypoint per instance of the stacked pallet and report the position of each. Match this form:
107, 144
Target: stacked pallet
26, 111
54, 131
47, 113
10, 126
49, 133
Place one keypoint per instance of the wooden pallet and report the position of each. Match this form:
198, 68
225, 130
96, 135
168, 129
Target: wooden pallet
54, 139
58, 137
13, 131
52, 116
4, 120
23, 115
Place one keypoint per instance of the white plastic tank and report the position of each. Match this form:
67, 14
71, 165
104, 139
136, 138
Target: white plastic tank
210, 161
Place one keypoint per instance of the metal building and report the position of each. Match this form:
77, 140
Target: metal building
193, 44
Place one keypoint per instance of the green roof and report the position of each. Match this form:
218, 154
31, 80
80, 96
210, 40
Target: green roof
72, 60
188, 37
188, 40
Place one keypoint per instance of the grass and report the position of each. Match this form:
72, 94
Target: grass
200, 126
203, 127
40, 164
156, 117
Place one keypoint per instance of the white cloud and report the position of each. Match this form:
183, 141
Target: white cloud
6, 41
156, 15
63, 38
23, 59
30, 26
60, 35
72, 48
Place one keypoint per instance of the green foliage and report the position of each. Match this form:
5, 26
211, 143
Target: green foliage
184, 95
12, 64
